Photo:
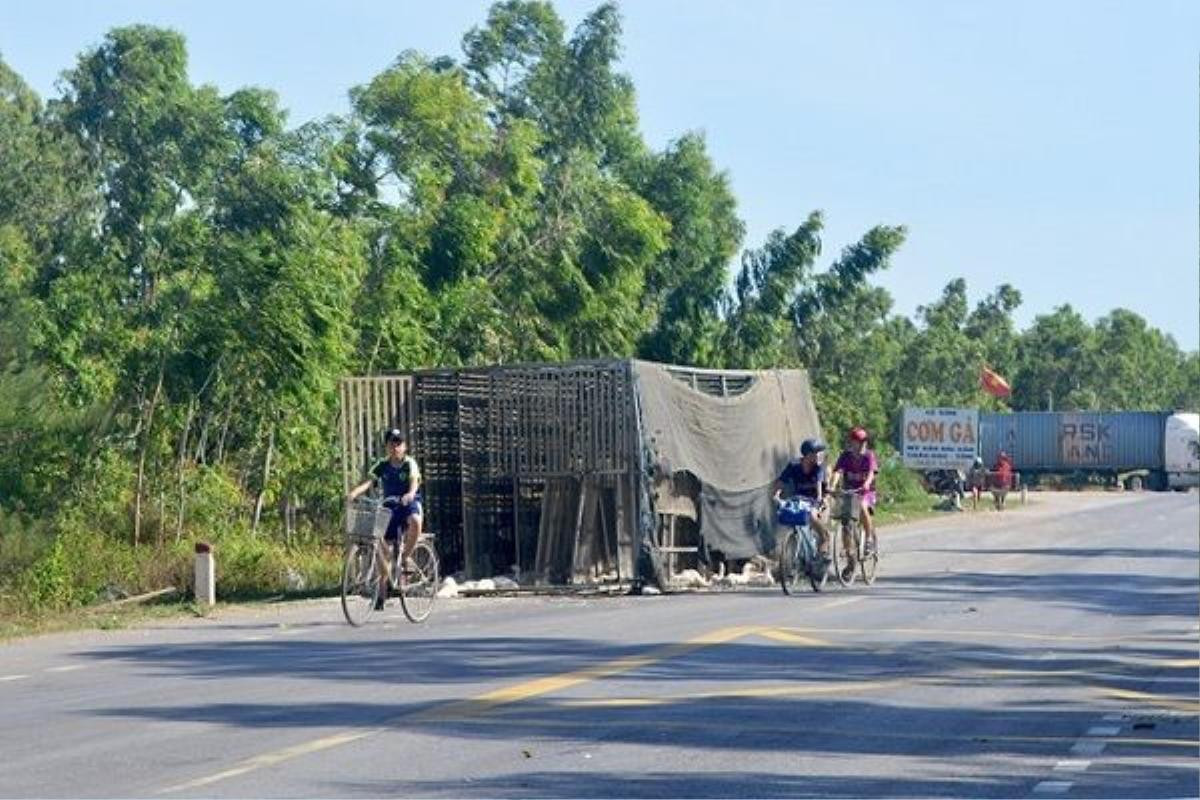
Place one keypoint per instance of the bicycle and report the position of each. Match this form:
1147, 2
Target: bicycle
800, 556
363, 571
847, 511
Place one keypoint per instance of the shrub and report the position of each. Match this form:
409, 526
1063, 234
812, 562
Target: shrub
898, 484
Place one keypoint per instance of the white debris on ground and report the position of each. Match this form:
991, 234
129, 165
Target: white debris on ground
689, 579
456, 588
755, 572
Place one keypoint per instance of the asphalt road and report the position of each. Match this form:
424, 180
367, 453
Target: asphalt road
1050, 651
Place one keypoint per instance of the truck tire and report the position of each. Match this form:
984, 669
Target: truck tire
1134, 483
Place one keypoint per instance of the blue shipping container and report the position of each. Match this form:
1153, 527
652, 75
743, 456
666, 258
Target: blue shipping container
1066, 441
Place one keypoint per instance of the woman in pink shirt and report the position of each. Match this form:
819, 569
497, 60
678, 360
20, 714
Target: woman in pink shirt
856, 467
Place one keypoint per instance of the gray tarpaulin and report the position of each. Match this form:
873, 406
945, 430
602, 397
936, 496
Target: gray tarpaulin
735, 446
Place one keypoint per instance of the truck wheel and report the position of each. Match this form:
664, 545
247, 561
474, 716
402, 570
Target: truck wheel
1134, 483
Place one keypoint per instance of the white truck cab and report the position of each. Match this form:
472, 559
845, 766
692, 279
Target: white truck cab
1181, 451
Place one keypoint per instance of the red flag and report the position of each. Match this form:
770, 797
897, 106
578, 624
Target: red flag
993, 384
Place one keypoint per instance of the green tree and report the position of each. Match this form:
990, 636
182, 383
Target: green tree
1136, 365
1056, 361
991, 325
685, 287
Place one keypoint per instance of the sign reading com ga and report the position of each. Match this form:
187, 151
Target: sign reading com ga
939, 438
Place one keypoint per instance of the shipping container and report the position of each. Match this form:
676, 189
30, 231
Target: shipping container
1111, 443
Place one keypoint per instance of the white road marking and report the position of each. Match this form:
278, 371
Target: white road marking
66, 668
844, 602
1104, 730
1088, 747
1072, 766
12, 677
1053, 787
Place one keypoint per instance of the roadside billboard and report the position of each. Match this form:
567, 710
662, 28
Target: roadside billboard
939, 438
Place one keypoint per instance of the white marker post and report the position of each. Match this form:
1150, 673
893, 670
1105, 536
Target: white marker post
206, 575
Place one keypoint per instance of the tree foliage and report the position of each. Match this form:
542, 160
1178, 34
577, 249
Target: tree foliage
184, 278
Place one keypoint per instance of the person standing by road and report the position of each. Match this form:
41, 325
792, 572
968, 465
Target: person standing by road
1002, 476
977, 481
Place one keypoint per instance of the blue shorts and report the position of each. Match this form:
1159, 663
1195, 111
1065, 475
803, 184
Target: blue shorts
400, 515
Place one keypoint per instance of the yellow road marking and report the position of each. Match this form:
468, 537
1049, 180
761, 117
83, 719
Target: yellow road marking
749, 691
271, 759
786, 635
983, 634
1173, 702
480, 704
506, 696
540, 686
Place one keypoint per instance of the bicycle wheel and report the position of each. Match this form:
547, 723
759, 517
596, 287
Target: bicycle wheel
869, 564
419, 583
791, 563
844, 561
818, 568
360, 583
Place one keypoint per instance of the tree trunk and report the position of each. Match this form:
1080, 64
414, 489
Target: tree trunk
220, 455
162, 515
262, 492
183, 440
141, 472
289, 517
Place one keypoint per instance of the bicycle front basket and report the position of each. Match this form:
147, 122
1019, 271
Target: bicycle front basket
794, 512
367, 521
847, 507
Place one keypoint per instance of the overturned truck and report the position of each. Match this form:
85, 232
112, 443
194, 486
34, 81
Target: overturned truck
588, 473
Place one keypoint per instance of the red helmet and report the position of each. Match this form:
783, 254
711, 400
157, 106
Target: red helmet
858, 434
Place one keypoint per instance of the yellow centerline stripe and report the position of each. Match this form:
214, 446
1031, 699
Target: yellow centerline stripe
271, 759
523, 691
785, 635
506, 696
1173, 702
983, 634
751, 691
479, 704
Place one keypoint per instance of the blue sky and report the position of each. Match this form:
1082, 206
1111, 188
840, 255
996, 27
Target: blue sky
1051, 145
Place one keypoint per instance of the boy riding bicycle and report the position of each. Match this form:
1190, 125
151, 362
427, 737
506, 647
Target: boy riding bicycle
400, 479
807, 477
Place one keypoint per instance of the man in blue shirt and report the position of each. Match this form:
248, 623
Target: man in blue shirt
807, 479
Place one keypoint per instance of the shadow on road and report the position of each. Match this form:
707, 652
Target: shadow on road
725, 782
1119, 594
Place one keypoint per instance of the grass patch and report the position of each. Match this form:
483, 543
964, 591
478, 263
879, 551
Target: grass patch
114, 618
901, 496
